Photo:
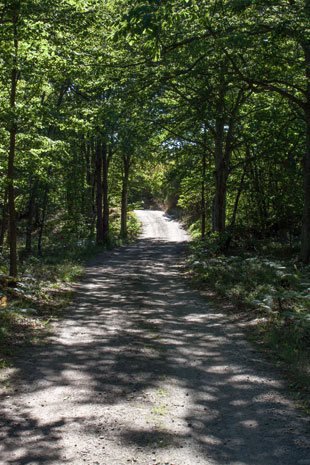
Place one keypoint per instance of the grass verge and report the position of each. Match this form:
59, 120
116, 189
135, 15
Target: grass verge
265, 284
44, 289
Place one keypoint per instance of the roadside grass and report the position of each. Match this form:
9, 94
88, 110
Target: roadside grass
41, 293
264, 281
44, 288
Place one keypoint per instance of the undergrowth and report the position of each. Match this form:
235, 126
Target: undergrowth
264, 280
43, 288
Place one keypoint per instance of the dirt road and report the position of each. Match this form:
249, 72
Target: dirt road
142, 371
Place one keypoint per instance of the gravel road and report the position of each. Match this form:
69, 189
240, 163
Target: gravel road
143, 371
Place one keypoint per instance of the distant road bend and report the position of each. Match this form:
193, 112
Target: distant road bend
143, 371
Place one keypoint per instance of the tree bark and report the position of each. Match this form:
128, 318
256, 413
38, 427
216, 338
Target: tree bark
105, 188
90, 181
220, 201
4, 222
99, 195
222, 151
50, 133
203, 195
11, 160
262, 211
126, 167
305, 233
33, 191
305, 230
220, 175
44, 209
11, 196
240, 188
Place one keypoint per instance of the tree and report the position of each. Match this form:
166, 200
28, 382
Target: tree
277, 42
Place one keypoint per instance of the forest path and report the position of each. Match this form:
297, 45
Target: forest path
142, 371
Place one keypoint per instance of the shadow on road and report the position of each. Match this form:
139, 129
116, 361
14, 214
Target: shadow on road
134, 324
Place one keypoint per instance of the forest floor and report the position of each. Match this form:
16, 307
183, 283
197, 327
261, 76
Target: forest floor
143, 371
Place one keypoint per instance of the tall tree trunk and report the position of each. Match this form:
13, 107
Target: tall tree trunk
203, 195
4, 222
90, 209
11, 195
13, 133
105, 189
234, 215
220, 201
33, 191
50, 133
99, 194
259, 196
126, 167
44, 209
305, 231
89, 178
240, 188
220, 174
224, 130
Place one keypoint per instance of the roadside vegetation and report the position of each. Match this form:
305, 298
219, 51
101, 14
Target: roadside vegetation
44, 288
198, 107
263, 282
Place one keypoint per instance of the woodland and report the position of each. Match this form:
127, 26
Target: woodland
198, 107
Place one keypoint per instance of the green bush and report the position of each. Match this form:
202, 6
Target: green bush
262, 285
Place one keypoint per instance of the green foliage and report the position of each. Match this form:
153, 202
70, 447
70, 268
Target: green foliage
133, 228
43, 289
275, 292
205, 102
263, 283
163, 84
195, 229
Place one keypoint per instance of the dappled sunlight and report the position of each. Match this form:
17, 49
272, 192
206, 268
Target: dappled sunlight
37, 442
137, 340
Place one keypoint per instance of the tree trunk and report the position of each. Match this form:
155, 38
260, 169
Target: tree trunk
203, 195
105, 189
305, 232
13, 133
4, 222
262, 211
220, 174
224, 130
219, 217
44, 209
50, 133
33, 191
234, 215
240, 188
126, 167
221, 171
90, 208
99, 194
89, 180
11, 195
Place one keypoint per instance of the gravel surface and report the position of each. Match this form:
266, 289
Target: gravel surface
143, 371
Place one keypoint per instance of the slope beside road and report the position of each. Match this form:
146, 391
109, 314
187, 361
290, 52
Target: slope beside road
142, 371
